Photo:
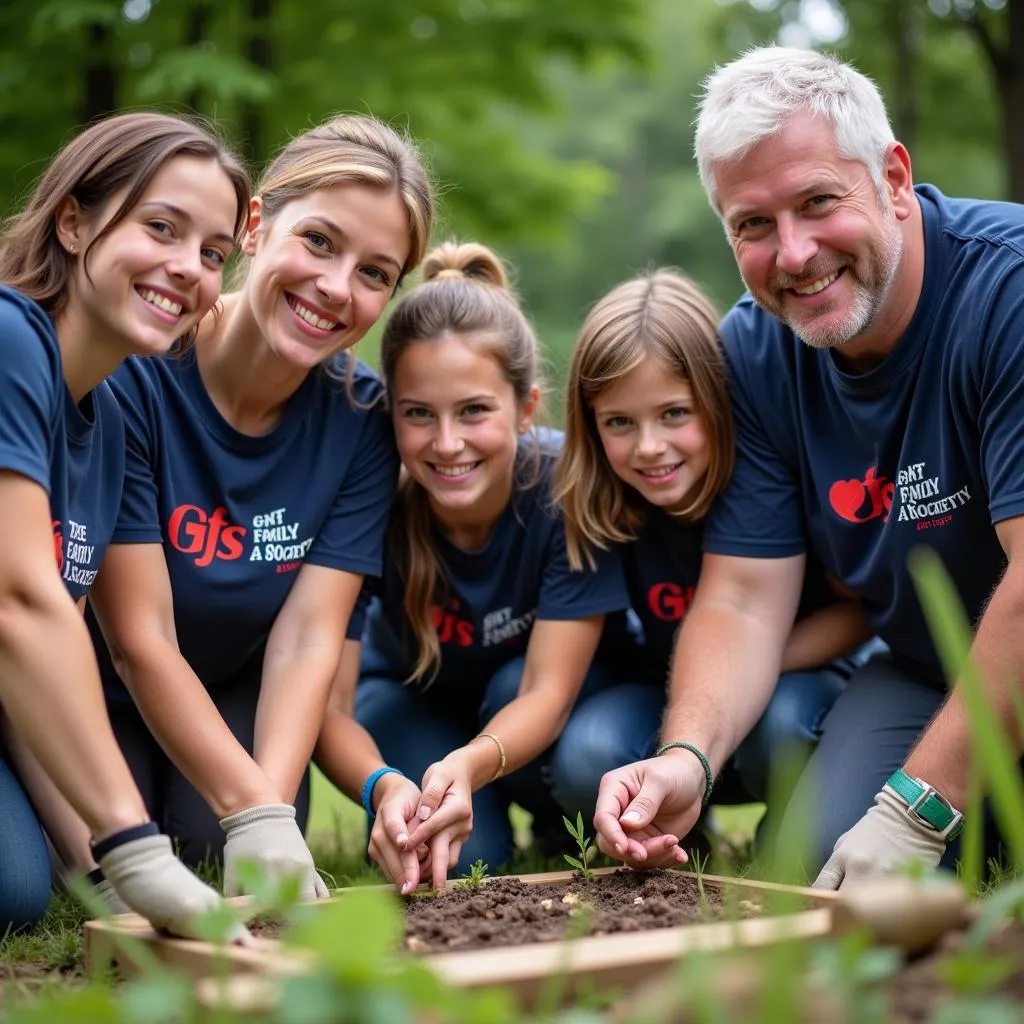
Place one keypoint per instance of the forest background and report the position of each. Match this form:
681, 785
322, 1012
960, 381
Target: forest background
559, 131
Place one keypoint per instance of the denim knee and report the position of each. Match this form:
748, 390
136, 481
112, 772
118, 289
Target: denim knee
25, 878
788, 728
614, 727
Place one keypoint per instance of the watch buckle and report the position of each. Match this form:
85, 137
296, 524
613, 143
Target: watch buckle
929, 791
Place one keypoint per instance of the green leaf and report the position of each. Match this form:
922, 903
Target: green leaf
974, 971
61, 16
573, 861
571, 828
310, 999
157, 999
354, 934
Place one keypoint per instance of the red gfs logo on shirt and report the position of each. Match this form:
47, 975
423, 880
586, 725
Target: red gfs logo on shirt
58, 544
206, 535
860, 501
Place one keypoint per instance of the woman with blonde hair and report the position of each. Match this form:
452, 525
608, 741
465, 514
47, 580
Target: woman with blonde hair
260, 473
648, 448
118, 252
482, 635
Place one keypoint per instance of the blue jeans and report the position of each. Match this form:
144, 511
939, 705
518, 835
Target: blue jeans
24, 862
414, 727
622, 724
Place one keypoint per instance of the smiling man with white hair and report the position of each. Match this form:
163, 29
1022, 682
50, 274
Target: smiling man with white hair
879, 400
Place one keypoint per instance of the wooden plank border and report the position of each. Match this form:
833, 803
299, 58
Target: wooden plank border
600, 961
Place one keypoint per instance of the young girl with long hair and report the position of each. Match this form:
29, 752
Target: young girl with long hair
261, 468
482, 635
648, 447
119, 251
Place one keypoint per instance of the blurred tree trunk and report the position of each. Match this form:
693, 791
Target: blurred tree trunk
258, 53
1007, 64
195, 33
902, 14
99, 94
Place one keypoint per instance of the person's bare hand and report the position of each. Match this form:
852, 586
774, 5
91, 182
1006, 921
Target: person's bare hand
445, 815
644, 810
389, 844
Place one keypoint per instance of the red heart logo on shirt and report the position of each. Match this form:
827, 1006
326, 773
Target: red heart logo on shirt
846, 498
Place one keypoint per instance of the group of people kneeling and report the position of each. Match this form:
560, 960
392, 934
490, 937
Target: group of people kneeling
278, 556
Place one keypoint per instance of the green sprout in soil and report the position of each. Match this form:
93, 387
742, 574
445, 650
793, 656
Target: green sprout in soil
584, 844
475, 878
700, 865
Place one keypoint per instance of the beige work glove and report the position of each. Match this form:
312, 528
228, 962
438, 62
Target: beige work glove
112, 903
147, 876
880, 843
268, 835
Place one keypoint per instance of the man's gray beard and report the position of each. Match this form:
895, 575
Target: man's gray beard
866, 304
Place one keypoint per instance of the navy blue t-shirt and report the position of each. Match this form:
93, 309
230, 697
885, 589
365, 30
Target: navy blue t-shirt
926, 448
662, 567
75, 452
239, 515
495, 594
96, 457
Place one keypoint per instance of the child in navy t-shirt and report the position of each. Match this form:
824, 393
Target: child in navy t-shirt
120, 250
482, 634
261, 467
649, 446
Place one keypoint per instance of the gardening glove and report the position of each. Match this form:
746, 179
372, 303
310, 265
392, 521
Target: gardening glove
268, 835
112, 903
880, 843
150, 880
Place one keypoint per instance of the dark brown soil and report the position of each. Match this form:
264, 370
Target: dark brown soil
924, 984
508, 912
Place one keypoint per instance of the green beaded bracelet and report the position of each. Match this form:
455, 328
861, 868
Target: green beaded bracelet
709, 779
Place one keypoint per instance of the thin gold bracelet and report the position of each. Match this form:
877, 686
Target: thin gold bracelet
501, 753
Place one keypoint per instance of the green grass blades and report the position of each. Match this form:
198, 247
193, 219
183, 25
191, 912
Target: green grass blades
995, 756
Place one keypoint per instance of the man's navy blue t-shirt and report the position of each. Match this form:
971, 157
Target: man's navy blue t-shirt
239, 515
495, 594
76, 452
925, 449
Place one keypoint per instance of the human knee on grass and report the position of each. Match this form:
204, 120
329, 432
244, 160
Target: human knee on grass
118, 253
238, 559
477, 575
649, 446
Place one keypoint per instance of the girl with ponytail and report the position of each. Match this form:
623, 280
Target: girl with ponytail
481, 636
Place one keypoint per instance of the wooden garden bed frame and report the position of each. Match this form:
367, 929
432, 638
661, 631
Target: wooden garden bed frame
600, 961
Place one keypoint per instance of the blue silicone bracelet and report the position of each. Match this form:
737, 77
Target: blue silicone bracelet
368, 788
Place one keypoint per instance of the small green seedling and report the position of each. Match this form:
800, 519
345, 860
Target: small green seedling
584, 844
476, 876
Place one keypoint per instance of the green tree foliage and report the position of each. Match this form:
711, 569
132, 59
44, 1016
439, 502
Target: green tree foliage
453, 71
947, 68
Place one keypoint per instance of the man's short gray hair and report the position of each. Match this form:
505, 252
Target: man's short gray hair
752, 98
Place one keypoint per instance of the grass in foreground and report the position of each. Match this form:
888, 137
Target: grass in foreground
50, 955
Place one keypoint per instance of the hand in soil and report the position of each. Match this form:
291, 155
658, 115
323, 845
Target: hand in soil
446, 815
644, 809
389, 837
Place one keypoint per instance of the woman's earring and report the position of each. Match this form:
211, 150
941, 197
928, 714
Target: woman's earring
73, 250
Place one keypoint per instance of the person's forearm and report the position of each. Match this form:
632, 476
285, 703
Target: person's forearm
50, 692
824, 635
942, 756
187, 725
346, 753
724, 671
290, 714
526, 727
